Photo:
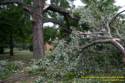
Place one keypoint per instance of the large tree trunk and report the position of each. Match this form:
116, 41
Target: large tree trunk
38, 42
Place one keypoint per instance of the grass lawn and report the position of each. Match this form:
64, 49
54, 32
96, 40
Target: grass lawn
23, 55
16, 63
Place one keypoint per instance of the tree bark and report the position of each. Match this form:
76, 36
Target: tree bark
38, 42
113, 41
61, 11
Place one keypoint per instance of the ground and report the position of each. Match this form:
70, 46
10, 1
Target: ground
20, 76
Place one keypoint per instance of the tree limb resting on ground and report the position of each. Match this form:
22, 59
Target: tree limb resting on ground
113, 41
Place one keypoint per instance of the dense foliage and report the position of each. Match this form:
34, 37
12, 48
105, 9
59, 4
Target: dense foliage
74, 29
68, 63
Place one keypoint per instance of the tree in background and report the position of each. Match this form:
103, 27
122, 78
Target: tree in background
36, 9
14, 27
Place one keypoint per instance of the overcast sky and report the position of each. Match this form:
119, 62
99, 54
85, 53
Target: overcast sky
117, 2
78, 3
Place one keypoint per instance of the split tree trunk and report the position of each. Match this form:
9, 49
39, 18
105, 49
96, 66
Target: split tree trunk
38, 42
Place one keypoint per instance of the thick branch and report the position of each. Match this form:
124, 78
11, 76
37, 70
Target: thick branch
115, 17
96, 42
119, 46
113, 41
61, 11
57, 9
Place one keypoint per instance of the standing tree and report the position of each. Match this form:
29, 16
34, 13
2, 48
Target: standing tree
38, 42
36, 9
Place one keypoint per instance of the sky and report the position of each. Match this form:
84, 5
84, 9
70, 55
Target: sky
120, 3
117, 2
78, 3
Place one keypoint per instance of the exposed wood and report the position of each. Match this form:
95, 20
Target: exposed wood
37, 13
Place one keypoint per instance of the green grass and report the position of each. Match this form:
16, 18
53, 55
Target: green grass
23, 56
